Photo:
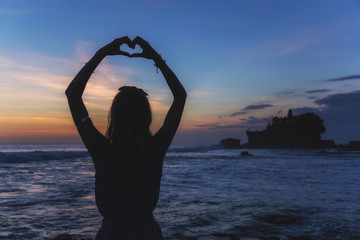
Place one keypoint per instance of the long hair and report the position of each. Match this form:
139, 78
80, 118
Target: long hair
129, 121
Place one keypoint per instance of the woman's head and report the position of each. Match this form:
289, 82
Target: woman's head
129, 117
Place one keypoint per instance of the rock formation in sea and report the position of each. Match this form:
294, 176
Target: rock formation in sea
301, 131
230, 143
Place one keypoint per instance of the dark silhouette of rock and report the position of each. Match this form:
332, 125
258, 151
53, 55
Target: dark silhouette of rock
327, 143
245, 153
302, 131
230, 143
354, 145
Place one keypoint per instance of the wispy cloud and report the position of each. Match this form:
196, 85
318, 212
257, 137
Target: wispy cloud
34, 71
341, 115
256, 107
32, 88
219, 126
318, 91
83, 49
242, 123
252, 121
47, 80
344, 78
237, 114
246, 109
9, 64
283, 47
288, 93
341, 100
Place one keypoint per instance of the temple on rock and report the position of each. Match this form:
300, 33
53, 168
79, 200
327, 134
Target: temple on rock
302, 131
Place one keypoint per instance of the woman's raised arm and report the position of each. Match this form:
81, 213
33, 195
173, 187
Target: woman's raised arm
172, 120
76, 88
92, 138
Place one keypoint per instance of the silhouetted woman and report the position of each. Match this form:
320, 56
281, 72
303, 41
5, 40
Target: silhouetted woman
128, 159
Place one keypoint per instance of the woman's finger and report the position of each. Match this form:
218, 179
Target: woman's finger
123, 40
138, 40
137, 55
124, 53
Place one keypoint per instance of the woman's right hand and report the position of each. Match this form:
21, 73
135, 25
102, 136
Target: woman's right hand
113, 48
148, 52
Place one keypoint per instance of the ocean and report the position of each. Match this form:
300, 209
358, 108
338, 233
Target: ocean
207, 193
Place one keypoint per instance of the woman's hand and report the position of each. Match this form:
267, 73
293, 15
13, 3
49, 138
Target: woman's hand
113, 48
148, 52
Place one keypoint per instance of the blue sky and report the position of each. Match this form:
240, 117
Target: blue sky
242, 62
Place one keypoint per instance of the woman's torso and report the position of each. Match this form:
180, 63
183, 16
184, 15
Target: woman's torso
127, 187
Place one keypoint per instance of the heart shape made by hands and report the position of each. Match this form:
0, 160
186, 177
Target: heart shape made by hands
126, 48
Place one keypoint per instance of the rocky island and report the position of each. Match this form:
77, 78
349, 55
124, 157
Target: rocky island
230, 143
301, 131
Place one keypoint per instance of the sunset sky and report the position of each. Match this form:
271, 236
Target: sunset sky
241, 62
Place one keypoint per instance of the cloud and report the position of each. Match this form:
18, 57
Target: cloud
237, 113
312, 97
343, 100
284, 47
33, 72
318, 91
234, 114
39, 82
83, 50
255, 122
246, 109
300, 92
344, 78
218, 126
256, 107
9, 64
288, 93
341, 116
340, 113
244, 123
46, 80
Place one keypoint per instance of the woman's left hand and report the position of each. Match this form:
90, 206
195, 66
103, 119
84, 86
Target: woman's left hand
113, 48
148, 52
